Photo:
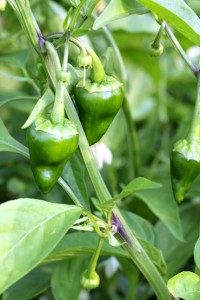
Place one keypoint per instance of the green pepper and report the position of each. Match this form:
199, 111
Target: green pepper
185, 166
97, 105
50, 146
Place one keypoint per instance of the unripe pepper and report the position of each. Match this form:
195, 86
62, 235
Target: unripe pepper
185, 166
97, 104
50, 146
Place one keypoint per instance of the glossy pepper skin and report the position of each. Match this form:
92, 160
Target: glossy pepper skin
97, 106
50, 146
185, 166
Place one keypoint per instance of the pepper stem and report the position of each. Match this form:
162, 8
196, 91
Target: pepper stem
156, 41
98, 73
95, 257
58, 112
194, 133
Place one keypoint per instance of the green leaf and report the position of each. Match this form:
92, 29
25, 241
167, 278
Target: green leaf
19, 98
197, 253
29, 230
176, 252
178, 14
31, 285
138, 184
75, 175
46, 99
18, 59
118, 9
17, 78
185, 285
82, 243
66, 279
161, 202
8, 143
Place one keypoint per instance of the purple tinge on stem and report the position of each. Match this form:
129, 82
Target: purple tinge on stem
40, 40
118, 228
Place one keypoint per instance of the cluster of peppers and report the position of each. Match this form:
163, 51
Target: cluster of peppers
52, 138
185, 157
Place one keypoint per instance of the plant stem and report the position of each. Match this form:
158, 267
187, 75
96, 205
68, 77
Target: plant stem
69, 191
194, 133
76, 14
95, 257
178, 47
156, 41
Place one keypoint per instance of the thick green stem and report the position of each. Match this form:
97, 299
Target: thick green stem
137, 253
194, 133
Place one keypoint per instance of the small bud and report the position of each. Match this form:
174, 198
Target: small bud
85, 61
155, 51
90, 281
65, 77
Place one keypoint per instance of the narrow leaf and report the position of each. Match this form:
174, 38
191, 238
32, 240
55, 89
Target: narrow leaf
8, 143
29, 230
138, 184
17, 78
185, 285
178, 14
19, 98
118, 9
46, 99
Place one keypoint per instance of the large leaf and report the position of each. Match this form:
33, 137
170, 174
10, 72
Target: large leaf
31, 285
178, 14
177, 253
29, 230
161, 202
66, 279
46, 99
185, 285
8, 143
82, 243
117, 9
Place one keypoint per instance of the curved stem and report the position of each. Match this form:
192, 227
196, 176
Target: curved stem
133, 145
69, 191
194, 133
95, 257
178, 47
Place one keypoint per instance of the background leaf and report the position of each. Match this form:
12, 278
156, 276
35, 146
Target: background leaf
178, 14
8, 143
161, 202
31, 285
117, 9
66, 279
26, 225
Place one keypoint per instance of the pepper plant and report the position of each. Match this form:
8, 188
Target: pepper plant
81, 79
